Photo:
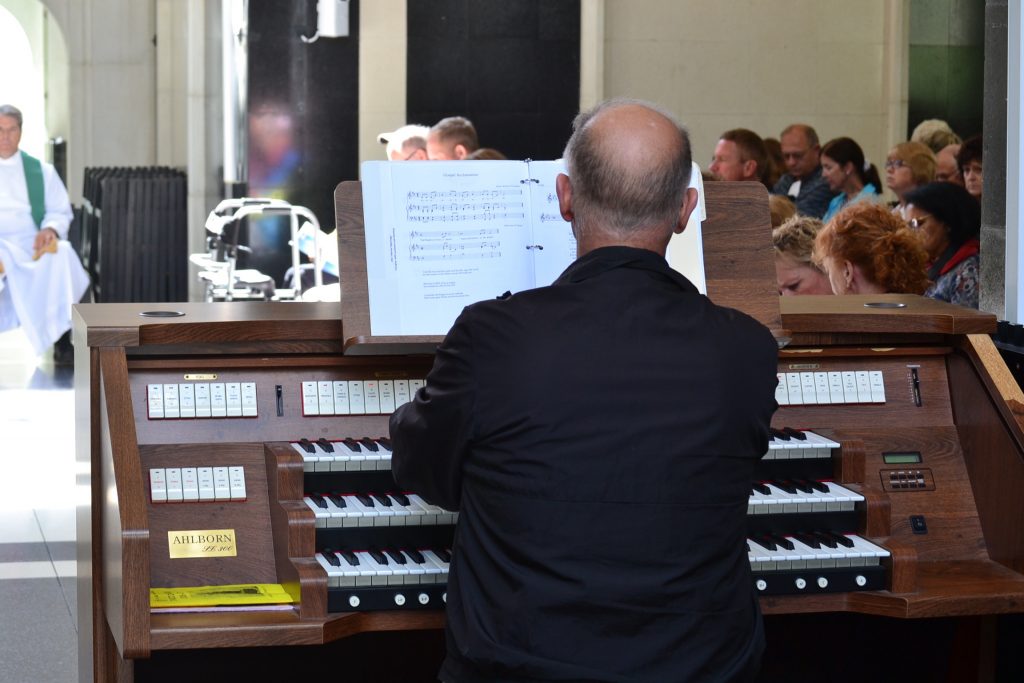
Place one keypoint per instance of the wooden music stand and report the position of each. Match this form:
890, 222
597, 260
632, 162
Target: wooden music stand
738, 263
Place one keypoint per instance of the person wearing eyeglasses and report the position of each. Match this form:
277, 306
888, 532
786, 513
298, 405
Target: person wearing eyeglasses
946, 168
803, 182
908, 166
847, 172
948, 221
408, 143
866, 249
969, 161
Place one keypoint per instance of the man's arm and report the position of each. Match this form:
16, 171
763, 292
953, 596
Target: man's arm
57, 218
814, 200
431, 434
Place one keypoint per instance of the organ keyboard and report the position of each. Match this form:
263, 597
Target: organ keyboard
904, 506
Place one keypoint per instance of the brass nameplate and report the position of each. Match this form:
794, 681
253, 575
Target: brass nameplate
202, 377
202, 543
804, 366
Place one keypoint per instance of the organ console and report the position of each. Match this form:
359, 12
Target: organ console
885, 513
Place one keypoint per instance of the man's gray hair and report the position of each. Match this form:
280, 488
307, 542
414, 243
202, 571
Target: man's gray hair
619, 199
12, 111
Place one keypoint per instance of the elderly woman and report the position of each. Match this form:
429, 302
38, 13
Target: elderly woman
847, 172
795, 272
948, 220
908, 166
866, 249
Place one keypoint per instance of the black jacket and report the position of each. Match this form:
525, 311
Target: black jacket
599, 437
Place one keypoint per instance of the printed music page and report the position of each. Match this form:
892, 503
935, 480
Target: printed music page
554, 246
441, 235
686, 250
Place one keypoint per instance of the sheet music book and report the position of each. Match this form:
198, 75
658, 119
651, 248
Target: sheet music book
441, 235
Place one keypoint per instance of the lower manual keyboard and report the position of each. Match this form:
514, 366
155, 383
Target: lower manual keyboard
815, 562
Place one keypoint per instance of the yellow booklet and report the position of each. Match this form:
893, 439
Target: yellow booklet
211, 596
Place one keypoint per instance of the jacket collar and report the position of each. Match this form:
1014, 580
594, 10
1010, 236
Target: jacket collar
604, 259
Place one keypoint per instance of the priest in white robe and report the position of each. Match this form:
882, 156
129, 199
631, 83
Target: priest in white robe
42, 276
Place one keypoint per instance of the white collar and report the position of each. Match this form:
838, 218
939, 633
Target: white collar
12, 160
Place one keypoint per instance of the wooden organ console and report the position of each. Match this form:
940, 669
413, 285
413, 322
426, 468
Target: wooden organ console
888, 507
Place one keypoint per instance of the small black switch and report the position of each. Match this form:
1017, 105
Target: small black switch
918, 525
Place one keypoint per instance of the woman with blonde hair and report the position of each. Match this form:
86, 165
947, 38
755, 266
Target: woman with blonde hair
795, 272
910, 165
866, 249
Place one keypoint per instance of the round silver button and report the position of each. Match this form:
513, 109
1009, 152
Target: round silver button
861, 580
801, 583
444, 597
423, 598
761, 584
822, 582
399, 599
353, 601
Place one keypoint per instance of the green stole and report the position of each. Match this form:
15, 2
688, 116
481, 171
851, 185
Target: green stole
34, 183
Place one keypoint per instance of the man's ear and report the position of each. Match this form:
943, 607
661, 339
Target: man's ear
563, 188
750, 169
686, 208
460, 152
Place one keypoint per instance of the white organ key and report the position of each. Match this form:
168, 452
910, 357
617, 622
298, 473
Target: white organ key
402, 393
186, 401
236, 482
325, 397
155, 401
782, 390
174, 492
414, 386
807, 388
250, 407
387, 396
821, 388
310, 399
189, 483
233, 398
158, 485
309, 460
863, 387
205, 478
203, 399
221, 484
356, 404
835, 388
321, 515
218, 400
877, 386
340, 397
793, 387
171, 409
378, 573
429, 512
371, 397
367, 515
333, 573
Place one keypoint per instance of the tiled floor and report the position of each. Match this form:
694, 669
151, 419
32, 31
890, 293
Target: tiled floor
37, 517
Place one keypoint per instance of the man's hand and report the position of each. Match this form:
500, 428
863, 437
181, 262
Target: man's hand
46, 241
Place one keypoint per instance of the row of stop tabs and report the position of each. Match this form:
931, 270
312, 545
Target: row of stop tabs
196, 484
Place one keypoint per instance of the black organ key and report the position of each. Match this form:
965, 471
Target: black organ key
402, 499
443, 554
307, 446
385, 443
825, 539
318, 500
762, 488
783, 542
778, 434
808, 540
395, 555
841, 540
352, 444
818, 486
382, 499
325, 444
804, 486
795, 433
784, 485
378, 555
364, 499
369, 444
337, 499
765, 541
415, 555
331, 557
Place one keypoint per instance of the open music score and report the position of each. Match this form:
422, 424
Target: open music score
443, 235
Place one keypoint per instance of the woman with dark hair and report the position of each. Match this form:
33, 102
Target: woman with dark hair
866, 249
968, 159
948, 220
847, 172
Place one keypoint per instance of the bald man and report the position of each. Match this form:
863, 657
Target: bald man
598, 437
